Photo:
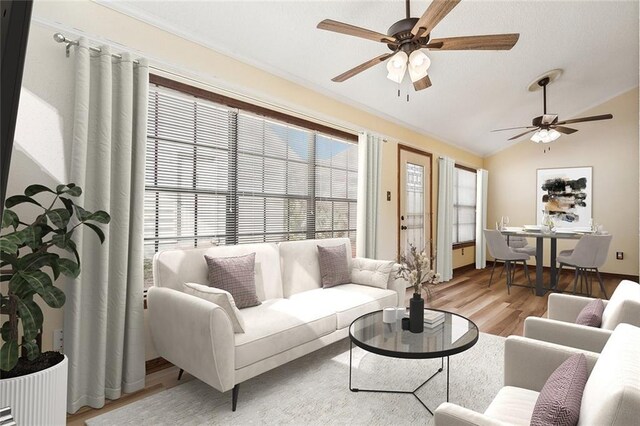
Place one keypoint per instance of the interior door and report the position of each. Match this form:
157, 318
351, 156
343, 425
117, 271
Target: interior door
414, 201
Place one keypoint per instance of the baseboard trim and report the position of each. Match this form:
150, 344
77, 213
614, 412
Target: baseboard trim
156, 364
635, 278
464, 268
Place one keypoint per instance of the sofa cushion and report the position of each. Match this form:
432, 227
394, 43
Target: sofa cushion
513, 405
612, 393
334, 266
235, 275
300, 265
591, 314
349, 301
278, 325
220, 297
559, 400
626, 290
173, 268
374, 273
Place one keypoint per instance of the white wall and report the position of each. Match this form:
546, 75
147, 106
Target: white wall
610, 147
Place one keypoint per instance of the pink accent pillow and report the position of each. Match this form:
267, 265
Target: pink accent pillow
334, 266
561, 396
235, 275
591, 314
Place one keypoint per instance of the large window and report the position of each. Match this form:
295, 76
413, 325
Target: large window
464, 205
220, 175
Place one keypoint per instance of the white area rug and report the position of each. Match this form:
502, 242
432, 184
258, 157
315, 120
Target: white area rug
314, 390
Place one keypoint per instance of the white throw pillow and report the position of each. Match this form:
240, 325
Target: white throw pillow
626, 290
374, 273
221, 298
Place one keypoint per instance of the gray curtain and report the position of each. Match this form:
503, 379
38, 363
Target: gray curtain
369, 163
103, 315
444, 250
482, 180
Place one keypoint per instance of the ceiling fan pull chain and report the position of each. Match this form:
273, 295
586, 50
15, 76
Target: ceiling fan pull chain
407, 96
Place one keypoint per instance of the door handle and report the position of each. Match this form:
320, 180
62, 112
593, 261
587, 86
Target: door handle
403, 227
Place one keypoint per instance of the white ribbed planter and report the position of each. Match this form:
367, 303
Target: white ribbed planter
39, 398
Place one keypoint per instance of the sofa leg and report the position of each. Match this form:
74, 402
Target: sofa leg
180, 374
234, 397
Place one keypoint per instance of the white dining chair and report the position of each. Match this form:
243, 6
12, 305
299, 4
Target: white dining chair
499, 250
589, 254
521, 245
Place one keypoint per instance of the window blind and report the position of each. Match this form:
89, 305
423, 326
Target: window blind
219, 175
464, 206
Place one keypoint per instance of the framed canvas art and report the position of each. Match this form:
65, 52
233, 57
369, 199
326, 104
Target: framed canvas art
566, 195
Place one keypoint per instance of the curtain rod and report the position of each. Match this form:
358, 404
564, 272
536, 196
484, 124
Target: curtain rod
60, 38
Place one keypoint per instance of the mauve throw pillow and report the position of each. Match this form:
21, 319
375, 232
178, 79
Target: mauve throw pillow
235, 275
334, 266
559, 401
591, 314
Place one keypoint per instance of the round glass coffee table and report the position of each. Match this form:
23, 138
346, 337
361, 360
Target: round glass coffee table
454, 335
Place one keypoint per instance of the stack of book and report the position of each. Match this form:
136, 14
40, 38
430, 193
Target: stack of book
433, 318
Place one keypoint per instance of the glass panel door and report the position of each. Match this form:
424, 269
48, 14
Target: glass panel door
415, 199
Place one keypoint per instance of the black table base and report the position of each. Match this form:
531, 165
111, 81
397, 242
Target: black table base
413, 392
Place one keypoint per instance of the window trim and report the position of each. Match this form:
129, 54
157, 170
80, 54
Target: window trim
246, 106
470, 243
234, 108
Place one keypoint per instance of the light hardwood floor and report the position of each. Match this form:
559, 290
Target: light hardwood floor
491, 308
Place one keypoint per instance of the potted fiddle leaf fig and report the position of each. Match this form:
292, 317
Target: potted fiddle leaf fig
32, 259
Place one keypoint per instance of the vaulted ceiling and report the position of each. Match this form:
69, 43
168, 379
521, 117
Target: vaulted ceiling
595, 43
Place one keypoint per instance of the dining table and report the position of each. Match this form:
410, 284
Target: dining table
540, 236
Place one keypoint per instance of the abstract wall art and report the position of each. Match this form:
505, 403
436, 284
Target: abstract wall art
566, 195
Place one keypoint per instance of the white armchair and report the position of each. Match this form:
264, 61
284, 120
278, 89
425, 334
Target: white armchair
563, 309
611, 395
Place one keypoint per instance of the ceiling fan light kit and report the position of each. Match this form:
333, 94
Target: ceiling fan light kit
419, 63
545, 136
397, 66
407, 37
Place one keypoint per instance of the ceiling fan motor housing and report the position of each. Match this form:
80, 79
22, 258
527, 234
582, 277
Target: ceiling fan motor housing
401, 30
545, 120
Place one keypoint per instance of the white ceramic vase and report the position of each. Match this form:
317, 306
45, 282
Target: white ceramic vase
38, 398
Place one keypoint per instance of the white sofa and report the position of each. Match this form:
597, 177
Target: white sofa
611, 395
563, 309
296, 316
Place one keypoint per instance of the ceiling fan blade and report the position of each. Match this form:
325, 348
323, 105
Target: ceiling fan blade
364, 66
583, 119
565, 130
480, 42
352, 30
515, 128
522, 134
423, 83
437, 10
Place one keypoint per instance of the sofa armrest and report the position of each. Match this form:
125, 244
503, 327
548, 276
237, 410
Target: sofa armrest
399, 285
528, 363
448, 414
566, 307
563, 333
193, 334
629, 313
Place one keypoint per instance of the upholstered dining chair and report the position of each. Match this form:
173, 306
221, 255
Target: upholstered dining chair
519, 245
589, 254
499, 250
